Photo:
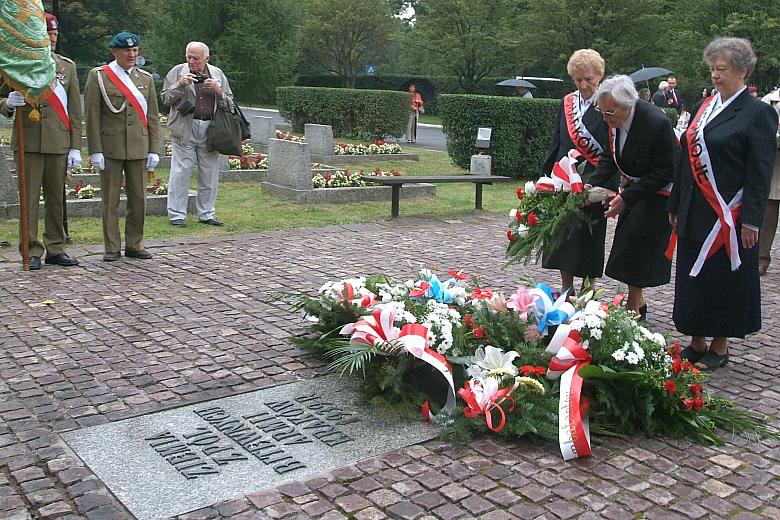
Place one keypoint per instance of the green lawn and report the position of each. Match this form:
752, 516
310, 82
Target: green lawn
246, 209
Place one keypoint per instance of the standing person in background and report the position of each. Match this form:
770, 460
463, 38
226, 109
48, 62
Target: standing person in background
720, 194
52, 147
417, 109
641, 151
646, 95
579, 126
659, 98
123, 135
769, 227
194, 90
673, 99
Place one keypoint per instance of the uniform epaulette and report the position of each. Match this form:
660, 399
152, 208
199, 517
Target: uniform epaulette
63, 58
142, 71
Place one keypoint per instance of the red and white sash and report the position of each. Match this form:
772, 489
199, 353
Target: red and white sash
122, 81
58, 101
583, 140
724, 232
629, 179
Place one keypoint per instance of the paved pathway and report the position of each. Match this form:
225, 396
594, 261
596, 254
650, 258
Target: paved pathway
131, 337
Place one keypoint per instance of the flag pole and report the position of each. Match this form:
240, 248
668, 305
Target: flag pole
24, 228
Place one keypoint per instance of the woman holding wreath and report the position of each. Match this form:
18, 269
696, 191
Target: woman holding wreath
579, 126
717, 206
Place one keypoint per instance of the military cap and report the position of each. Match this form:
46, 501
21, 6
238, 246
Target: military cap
51, 23
125, 40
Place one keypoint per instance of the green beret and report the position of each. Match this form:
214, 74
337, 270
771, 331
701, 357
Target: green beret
125, 40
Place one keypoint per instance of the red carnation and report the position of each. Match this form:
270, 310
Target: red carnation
532, 220
696, 389
520, 217
676, 365
510, 235
469, 321
671, 387
698, 402
674, 349
526, 370
480, 333
520, 192
540, 371
687, 404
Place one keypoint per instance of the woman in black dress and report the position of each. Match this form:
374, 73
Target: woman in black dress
717, 206
579, 126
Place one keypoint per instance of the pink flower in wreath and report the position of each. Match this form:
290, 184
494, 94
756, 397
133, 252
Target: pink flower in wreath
521, 301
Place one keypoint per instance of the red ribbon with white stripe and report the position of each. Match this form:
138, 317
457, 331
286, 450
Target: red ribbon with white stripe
564, 173
482, 399
573, 426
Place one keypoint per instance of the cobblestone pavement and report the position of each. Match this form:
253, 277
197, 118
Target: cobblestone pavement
131, 337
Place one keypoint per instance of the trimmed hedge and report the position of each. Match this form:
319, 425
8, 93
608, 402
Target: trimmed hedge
359, 113
521, 130
441, 85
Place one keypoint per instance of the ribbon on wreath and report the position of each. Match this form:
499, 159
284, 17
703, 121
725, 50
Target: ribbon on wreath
550, 311
435, 289
573, 426
365, 298
564, 173
379, 328
483, 396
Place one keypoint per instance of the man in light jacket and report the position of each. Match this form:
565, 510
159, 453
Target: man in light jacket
194, 91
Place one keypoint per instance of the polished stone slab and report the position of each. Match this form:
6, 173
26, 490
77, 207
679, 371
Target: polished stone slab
171, 462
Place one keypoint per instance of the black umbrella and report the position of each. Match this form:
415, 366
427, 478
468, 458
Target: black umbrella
423, 86
516, 82
648, 73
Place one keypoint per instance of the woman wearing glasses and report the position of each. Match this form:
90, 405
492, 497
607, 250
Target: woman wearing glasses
717, 207
579, 126
640, 152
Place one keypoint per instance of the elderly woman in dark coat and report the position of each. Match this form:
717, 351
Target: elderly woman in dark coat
579, 126
641, 151
717, 206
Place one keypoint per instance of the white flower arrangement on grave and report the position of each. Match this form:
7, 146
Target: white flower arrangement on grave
82, 192
289, 136
348, 179
376, 148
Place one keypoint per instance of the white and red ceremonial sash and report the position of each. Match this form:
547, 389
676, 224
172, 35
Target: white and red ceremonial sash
724, 232
564, 173
122, 81
379, 328
58, 101
573, 425
629, 179
583, 140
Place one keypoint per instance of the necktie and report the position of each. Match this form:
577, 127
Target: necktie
674, 96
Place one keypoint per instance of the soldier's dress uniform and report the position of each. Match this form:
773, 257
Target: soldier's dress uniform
115, 129
47, 142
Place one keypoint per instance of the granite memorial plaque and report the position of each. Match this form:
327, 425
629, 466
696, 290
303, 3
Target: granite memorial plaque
175, 461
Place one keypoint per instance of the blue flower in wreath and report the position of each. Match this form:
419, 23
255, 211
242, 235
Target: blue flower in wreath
441, 292
550, 311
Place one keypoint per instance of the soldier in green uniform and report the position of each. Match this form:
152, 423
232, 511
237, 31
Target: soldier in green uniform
123, 135
52, 142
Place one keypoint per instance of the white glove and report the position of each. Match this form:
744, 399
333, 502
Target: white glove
152, 160
98, 160
15, 100
74, 159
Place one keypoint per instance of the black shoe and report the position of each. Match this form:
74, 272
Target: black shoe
691, 354
711, 361
178, 222
212, 222
143, 254
643, 313
61, 259
35, 263
111, 257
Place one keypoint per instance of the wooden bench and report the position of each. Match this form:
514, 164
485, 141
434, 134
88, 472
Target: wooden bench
398, 181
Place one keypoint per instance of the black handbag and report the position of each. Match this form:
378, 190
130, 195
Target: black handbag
224, 133
245, 127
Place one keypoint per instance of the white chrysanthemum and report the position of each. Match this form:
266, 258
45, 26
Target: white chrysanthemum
577, 324
595, 333
513, 213
619, 355
530, 187
632, 358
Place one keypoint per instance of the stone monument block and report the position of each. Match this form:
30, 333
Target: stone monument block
262, 128
481, 165
289, 164
320, 139
8, 188
175, 461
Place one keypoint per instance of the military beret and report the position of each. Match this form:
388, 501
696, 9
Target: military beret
51, 23
125, 40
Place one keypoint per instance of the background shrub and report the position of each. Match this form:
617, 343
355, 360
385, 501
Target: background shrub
521, 130
359, 113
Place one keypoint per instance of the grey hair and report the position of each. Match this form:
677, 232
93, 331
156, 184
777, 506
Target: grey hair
202, 45
621, 88
738, 51
664, 84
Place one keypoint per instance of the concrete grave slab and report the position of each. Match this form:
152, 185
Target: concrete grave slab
175, 461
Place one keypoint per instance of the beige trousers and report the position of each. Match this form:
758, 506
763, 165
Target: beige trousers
135, 188
47, 170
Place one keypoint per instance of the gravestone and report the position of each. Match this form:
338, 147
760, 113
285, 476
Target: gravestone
289, 164
8, 187
175, 461
262, 128
320, 139
480, 165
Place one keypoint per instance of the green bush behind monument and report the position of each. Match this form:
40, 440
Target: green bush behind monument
359, 113
521, 130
